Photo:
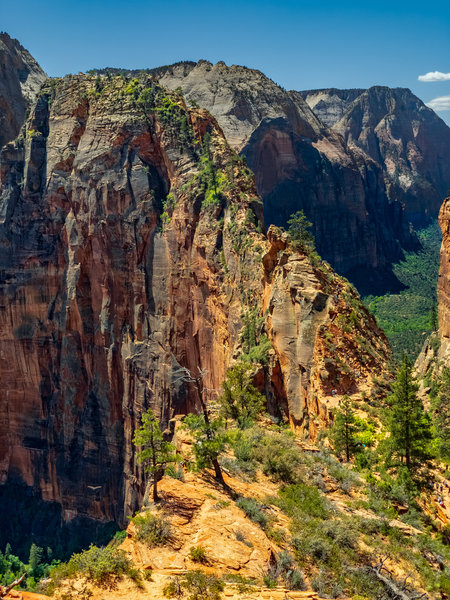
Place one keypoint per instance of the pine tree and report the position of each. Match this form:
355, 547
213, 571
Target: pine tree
345, 429
240, 400
298, 229
441, 415
434, 322
210, 440
156, 453
407, 423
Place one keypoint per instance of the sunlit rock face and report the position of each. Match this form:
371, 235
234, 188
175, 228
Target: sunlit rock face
302, 164
116, 272
20, 80
405, 137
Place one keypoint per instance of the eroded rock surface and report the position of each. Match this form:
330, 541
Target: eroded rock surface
397, 130
20, 80
120, 265
300, 164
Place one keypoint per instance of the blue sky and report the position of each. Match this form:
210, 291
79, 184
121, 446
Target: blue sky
300, 44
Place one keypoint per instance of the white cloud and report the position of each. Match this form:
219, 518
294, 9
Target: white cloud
441, 103
434, 76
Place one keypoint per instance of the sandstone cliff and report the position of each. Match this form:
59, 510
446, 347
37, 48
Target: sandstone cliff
443, 288
131, 246
299, 163
20, 79
405, 137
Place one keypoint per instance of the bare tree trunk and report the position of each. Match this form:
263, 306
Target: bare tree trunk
8, 588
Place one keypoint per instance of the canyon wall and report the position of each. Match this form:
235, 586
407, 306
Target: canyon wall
301, 164
132, 247
405, 137
20, 80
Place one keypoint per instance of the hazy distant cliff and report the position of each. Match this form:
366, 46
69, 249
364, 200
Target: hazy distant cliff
20, 79
397, 130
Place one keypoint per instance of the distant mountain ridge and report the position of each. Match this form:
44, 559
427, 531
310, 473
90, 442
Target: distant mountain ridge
397, 130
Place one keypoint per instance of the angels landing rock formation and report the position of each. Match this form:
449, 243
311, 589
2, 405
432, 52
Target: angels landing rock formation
131, 246
400, 133
20, 80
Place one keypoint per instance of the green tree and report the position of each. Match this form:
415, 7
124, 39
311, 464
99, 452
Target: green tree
345, 429
208, 433
434, 321
155, 452
298, 229
210, 442
35, 561
407, 422
240, 400
441, 415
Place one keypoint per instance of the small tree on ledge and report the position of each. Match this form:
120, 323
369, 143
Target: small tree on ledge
155, 453
298, 230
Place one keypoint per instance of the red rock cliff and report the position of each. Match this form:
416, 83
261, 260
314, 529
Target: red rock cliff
119, 265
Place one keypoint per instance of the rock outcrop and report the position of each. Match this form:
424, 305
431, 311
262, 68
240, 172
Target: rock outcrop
443, 288
20, 80
131, 247
400, 133
300, 164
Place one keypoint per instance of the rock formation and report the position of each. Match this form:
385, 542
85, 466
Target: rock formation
131, 246
400, 133
443, 288
20, 80
299, 163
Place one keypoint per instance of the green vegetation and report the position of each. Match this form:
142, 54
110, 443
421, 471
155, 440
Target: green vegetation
441, 415
298, 229
210, 441
153, 530
155, 452
345, 430
407, 423
240, 400
198, 554
39, 564
102, 566
197, 584
255, 343
407, 317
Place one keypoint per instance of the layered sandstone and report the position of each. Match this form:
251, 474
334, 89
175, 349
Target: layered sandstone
400, 133
300, 164
20, 80
443, 287
124, 260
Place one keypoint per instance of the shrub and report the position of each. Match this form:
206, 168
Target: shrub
253, 510
202, 586
198, 554
279, 457
104, 566
153, 530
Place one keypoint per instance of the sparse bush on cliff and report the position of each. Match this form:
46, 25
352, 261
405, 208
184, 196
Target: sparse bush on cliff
198, 554
253, 510
153, 530
199, 586
103, 566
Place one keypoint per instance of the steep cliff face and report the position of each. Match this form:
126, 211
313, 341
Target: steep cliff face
20, 79
396, 129
443, 288
131, 247
300, 164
